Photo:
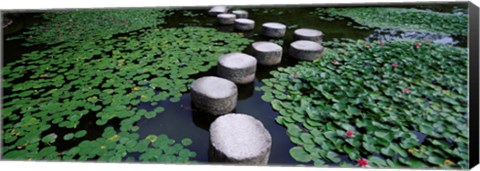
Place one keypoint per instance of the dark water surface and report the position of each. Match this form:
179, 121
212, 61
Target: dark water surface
181, 119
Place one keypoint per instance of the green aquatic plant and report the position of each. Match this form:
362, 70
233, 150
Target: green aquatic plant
106, 79
63, 26
401, 19
382, 104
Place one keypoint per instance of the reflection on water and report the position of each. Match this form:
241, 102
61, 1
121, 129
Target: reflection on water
389, 34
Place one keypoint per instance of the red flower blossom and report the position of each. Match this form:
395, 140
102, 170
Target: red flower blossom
406, 90
349, 133
417, 45
394, 65
362, 162
295, 76
381, 43
335, 62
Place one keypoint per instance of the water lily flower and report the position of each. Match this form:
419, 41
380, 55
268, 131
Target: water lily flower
417, 45
406, 90
362, 162
349, 133
335, 62
381, 43
394, 65
30, 36
295, 76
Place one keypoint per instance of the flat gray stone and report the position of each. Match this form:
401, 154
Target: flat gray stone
237, 67
267, 53
239, 139
305, 50
273, 29
226, 19
214, 11
240, 13
244, 24
214, 95
308, 34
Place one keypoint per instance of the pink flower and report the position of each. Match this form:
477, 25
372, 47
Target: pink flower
394, 65
349, 133
30, 36
406, 90
362, 162
295, 76
381, 43
335, 62
417, 45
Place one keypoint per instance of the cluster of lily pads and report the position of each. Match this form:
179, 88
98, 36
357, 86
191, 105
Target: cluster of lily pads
401, 19
62, 26
382, 104
49, 93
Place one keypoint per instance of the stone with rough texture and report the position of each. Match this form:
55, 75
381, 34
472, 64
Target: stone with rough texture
214, 11
267, 53
240, 13
214, 95
305, 50
237, 67
274, 30
239, 139
226, 19
244, 24
308, 34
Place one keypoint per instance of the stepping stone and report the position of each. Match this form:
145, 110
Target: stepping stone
214, 11
305, 50
274, 30
308, 34
214, 95
239, 139
244, 24
267, 53
226, 19
237, 67
240, 13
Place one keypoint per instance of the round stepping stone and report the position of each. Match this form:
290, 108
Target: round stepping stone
305, 50
226, 19
214, 95
272, 29
237, 67
240, 13
308, 34
267, 53
214, 11
239, 139
244, 24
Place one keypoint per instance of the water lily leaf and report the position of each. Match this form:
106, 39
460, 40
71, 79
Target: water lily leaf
80, 134
186, 141
299, 154
68, 136
50, 138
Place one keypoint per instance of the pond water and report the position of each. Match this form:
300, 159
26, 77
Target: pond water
181, 119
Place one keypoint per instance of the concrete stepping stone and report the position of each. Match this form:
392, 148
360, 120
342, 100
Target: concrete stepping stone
237, 67
214, 95
240, 13
305, 50
273, 29
244, 24
308, 34
226, 19
267, 53
239, 139
214, 11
